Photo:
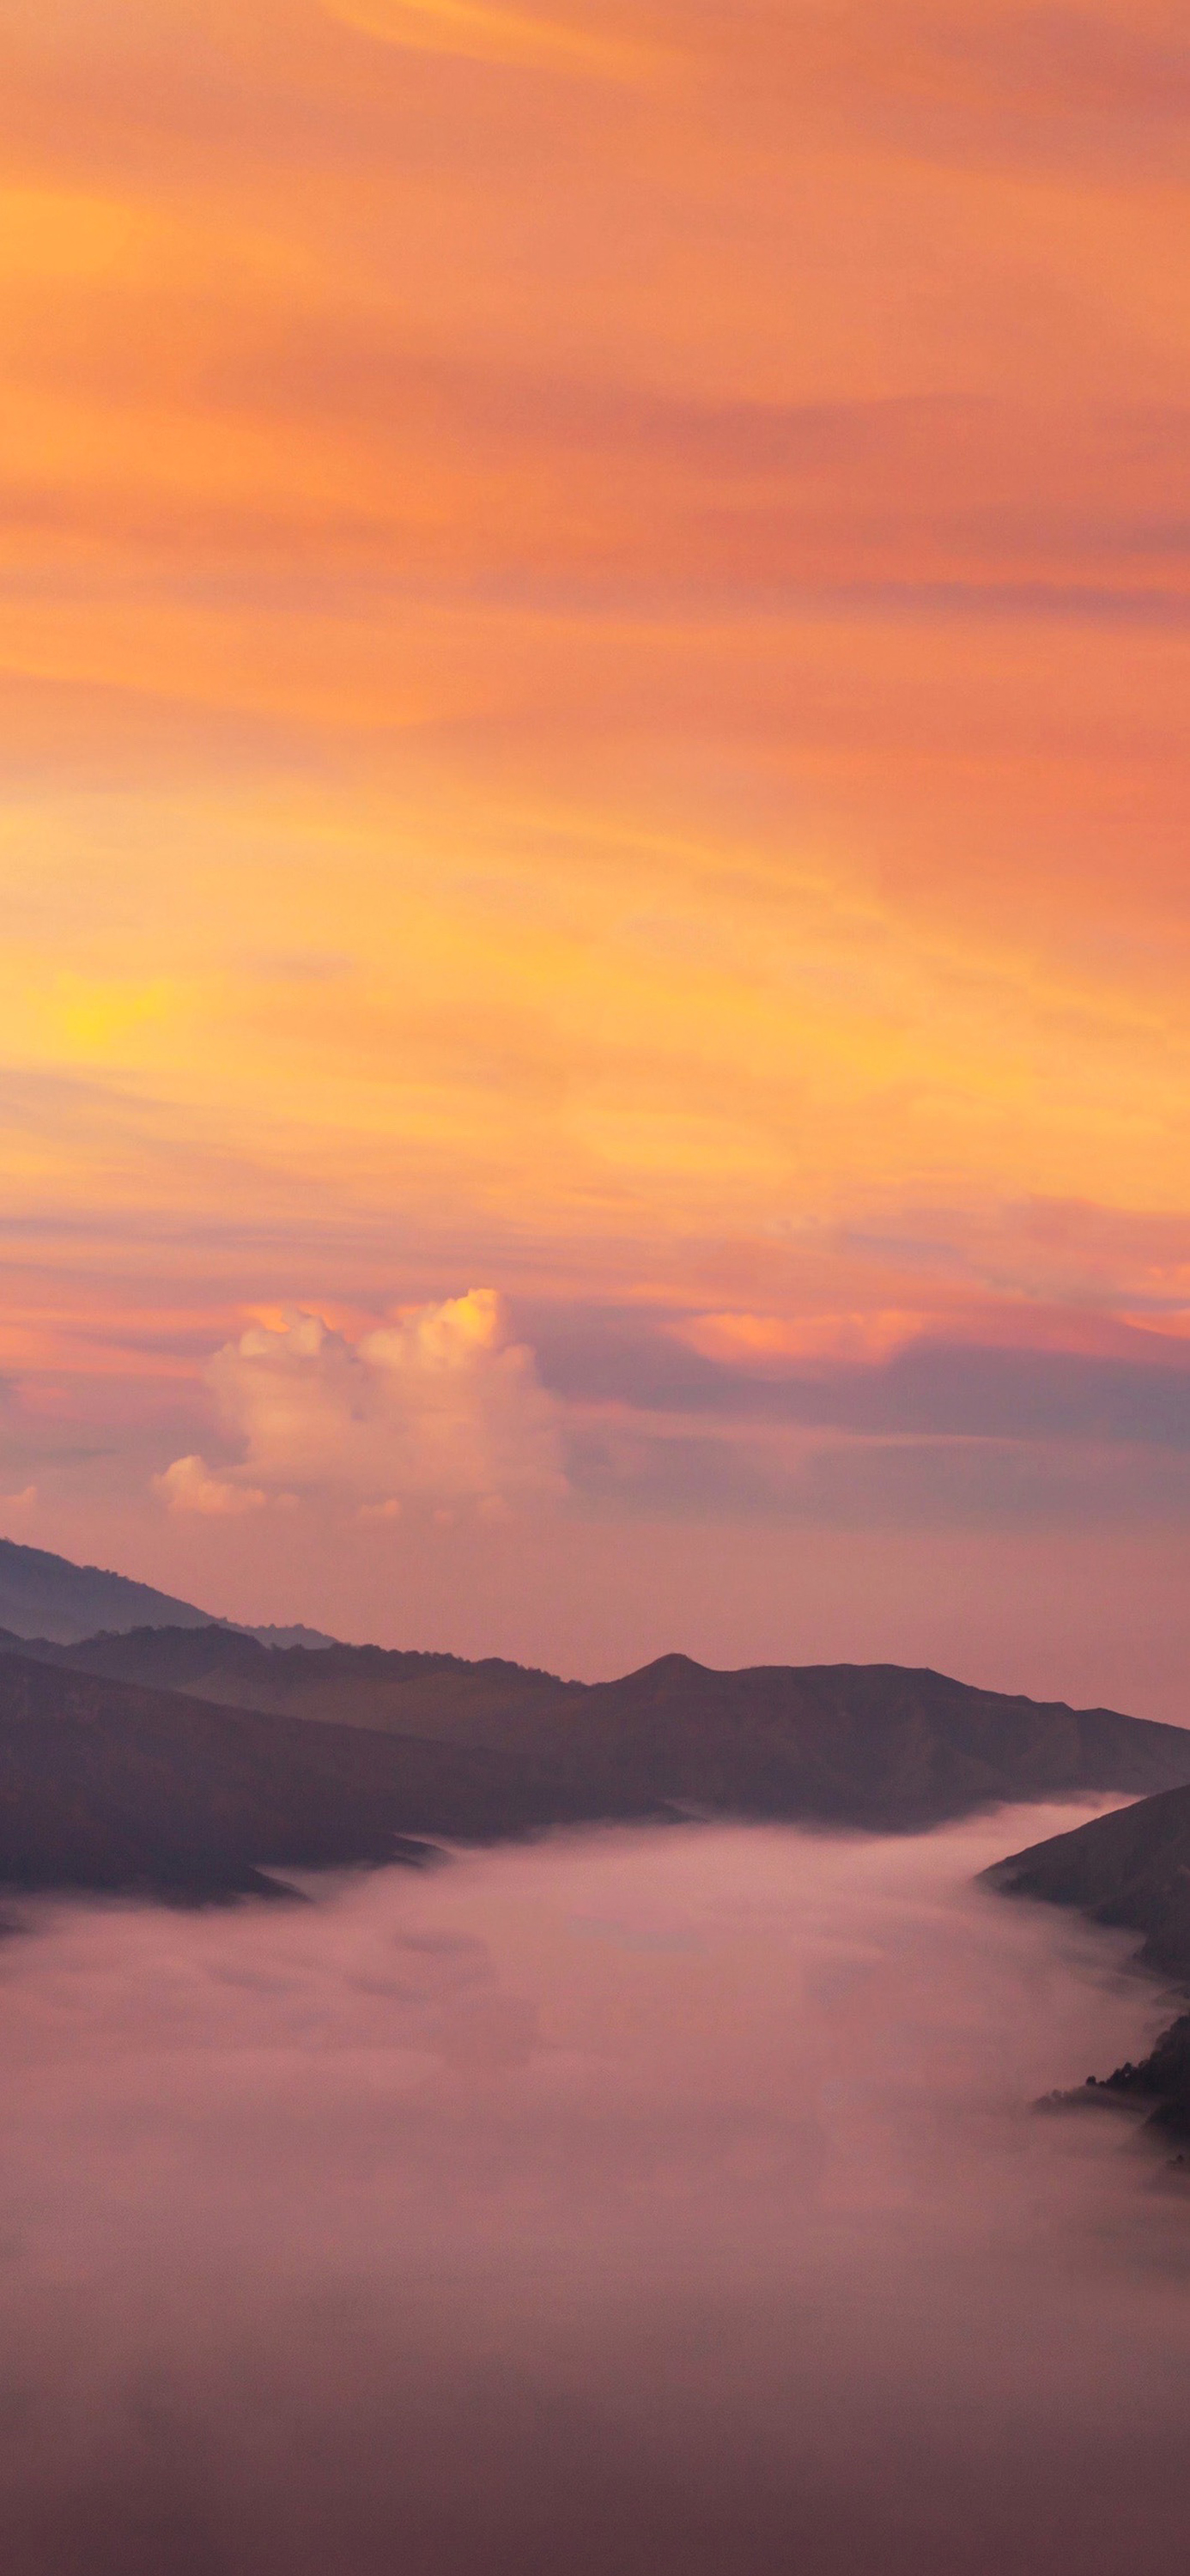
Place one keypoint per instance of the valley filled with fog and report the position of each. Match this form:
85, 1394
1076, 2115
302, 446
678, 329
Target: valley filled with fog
662, 2200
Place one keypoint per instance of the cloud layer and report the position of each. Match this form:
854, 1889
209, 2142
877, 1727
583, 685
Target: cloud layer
648, 2205
189, 1486
440, 1407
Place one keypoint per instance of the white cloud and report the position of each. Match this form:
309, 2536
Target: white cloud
438, 1405
189, 1486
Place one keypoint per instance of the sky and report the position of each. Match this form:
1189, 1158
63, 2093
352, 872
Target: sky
594, 976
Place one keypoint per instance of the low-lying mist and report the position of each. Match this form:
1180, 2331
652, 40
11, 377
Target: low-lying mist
659, 2203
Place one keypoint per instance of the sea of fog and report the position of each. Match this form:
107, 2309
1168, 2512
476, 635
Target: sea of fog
654, 2203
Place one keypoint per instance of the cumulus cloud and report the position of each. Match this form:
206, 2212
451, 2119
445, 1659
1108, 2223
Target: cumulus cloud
189, 1486
439, 1405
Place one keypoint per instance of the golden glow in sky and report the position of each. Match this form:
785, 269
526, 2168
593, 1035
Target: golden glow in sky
594, 679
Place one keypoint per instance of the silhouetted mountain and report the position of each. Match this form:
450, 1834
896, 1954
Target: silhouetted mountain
105, 1785
405, 1693
872, 1745
46, 1597
1131, 1869
270, 1634
490, 1748
869, 1744
1162, 2080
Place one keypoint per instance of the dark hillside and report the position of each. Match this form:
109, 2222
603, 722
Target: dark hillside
404, 1693
872, 1745
858, 1743
105, 1785
1131, 1869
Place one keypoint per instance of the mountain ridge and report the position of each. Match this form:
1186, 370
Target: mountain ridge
1130, 1870
49, 1598
386, 1686
476, 1751
875, 1744
109, 1786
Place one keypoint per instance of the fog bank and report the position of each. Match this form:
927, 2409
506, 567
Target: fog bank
654, 2201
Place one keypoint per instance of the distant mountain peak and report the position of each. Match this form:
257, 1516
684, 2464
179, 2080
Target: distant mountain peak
46, 1596
42, 1595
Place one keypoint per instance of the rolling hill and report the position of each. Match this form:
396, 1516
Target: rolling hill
104, 1785
1132, 1870
280, 1754
858, 1744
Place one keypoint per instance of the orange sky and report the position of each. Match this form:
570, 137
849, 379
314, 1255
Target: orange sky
594, 710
